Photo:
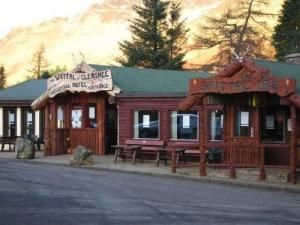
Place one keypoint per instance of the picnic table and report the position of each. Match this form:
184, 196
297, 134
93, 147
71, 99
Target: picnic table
123, 151
10, 141
166, 154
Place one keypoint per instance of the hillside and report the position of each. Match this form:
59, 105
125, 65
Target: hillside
94, 32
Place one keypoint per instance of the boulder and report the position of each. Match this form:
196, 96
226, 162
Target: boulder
82, 156
24, 148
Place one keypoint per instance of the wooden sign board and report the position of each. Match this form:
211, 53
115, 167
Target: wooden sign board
80, 82
274, 85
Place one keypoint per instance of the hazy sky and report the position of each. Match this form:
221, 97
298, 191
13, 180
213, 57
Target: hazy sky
26, 12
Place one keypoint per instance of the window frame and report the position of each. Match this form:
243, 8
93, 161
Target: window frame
78, 107
158, 123
64, 117
24, 126
237, 110
284, 125
208, 118
6, 125
183, 139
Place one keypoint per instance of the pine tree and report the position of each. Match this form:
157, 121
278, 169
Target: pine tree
286, 37
156, 42
39, 62
240, 28
176, 35
2, 77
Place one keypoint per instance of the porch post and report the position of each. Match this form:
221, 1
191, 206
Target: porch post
293, 145
202, 139
47, 131
1, 121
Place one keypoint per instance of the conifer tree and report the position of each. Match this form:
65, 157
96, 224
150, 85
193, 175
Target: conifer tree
2, 77
156, 36
176, 37
286, 37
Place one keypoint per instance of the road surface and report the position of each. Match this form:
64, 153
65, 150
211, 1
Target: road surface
42, 194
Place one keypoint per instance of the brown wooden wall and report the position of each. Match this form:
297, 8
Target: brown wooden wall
57, 141
165, 106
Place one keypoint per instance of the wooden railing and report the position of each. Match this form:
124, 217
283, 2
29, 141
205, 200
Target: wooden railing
237, 156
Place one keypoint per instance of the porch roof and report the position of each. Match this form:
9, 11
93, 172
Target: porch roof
243, 75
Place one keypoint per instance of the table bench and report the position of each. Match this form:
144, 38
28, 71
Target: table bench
137, 149
10, 141
166, 154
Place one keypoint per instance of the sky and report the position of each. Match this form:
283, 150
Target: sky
19, 13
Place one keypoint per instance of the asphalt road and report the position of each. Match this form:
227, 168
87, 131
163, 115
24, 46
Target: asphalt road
32, 194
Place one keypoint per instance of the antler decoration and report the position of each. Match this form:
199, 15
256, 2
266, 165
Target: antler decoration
241, 58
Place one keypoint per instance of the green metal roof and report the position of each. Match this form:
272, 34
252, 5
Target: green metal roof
24, 92
143, 82
132, 81
282, 69
151, 82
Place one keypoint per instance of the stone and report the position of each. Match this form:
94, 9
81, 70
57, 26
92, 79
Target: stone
82, 156
24, 148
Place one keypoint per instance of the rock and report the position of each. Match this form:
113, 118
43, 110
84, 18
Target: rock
82, 156
24, 148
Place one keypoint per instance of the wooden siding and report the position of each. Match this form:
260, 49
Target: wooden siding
165, 106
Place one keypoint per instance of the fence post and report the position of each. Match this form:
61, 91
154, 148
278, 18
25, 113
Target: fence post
173, 160
262, 173
232, 171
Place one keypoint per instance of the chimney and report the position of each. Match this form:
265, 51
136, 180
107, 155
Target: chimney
293, 58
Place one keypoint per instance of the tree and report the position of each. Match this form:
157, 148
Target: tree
176, 37
2, 77
39, 62
241, 28
286, 37
155, 42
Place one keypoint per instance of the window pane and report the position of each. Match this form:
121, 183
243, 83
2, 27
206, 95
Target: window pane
242, 122
216, 125
60, 116
273, 123
184, 125
27, 122
146, 124
76, 117
11, 123
91, 118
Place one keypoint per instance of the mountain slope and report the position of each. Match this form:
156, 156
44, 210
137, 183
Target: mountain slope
94, 32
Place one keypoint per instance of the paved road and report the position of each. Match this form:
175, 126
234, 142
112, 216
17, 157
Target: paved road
32, 194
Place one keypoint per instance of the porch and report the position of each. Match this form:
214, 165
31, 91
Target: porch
276, 178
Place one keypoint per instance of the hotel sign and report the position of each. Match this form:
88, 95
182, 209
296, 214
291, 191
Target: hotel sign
79, 82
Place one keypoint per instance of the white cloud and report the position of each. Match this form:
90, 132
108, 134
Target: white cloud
16, 12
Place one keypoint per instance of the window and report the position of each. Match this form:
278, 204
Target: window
76, 117
27, 122
10, 122
91, 117
146, 124
184, 125
242, 122
215, 125
273, 124
60, 117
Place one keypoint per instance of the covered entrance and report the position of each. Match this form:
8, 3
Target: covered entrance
76, 105
250, 119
